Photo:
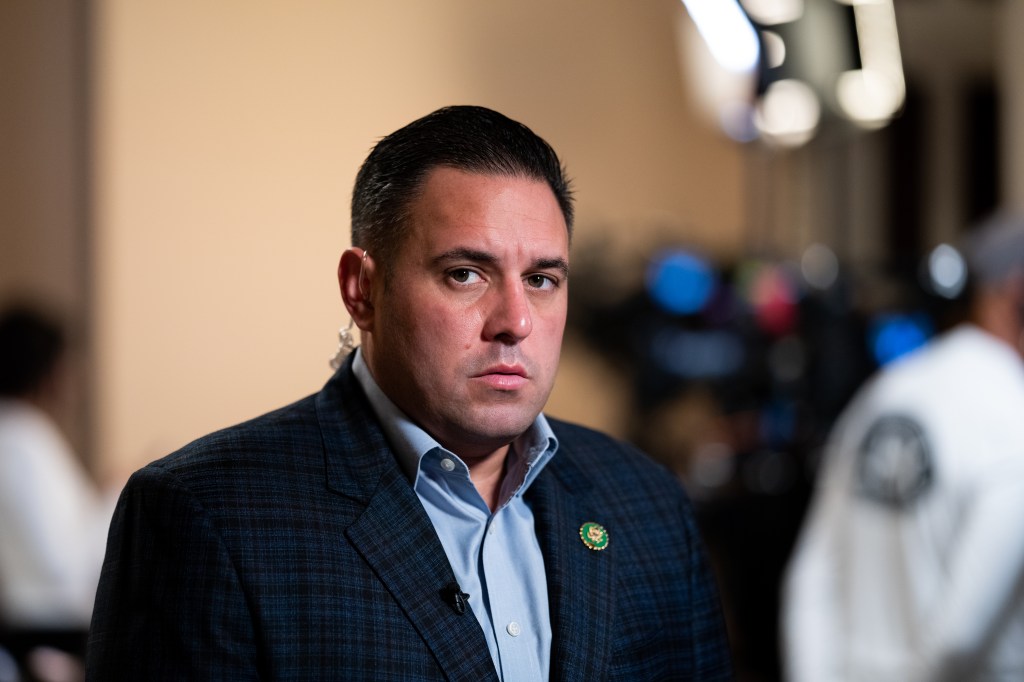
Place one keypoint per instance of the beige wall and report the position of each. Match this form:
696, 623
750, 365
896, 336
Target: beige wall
227, 135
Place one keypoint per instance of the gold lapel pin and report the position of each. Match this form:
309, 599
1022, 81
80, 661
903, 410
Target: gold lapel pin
594, 536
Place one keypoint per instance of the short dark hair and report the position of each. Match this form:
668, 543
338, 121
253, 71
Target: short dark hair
30, 346
995, 247
468, 138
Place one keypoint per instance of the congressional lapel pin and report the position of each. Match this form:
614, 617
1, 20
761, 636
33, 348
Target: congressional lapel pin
594, 535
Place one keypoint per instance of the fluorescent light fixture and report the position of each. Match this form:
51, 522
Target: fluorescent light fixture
872, 95
774, 49
788, 113
870, 98
771, 12
724, 98
727, 32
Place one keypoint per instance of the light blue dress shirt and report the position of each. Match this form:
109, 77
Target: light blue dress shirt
496, 557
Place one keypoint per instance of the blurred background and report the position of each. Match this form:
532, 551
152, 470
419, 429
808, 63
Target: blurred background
769, 196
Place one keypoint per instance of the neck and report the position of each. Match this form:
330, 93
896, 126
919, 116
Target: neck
487, 474
999, 314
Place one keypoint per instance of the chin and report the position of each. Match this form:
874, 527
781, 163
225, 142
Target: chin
494, 426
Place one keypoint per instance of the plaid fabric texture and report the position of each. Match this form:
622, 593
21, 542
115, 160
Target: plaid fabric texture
291, 547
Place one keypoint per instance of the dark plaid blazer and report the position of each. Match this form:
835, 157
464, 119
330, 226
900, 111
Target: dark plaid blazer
292, 547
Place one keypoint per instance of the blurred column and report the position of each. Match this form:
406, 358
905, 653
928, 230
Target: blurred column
43, 182
944, 165
1010, 65
948, 52
42, 242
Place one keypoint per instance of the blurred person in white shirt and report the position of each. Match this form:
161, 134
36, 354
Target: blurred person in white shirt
910, 565
53, 517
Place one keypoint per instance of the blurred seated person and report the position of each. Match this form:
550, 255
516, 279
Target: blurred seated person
53, 518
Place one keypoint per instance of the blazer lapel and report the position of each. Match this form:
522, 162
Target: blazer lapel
580, 580
394, 534
397, 540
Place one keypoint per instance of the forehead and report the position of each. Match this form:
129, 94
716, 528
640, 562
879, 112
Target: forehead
455, 205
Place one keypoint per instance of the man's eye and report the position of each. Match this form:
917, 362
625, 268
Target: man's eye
463, 276
540, 281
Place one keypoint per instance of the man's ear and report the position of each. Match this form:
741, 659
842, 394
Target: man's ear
356, 272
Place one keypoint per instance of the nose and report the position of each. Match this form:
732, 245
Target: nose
509, 319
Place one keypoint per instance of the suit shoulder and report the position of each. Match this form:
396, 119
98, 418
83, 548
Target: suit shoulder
287, 429
609, 458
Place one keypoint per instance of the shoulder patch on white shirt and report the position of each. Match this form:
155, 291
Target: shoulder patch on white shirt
894, 464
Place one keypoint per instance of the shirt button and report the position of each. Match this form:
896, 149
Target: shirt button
514, 629
447, 464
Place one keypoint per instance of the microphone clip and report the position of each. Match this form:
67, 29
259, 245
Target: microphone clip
456, 598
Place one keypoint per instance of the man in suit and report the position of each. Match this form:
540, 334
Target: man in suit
419, 518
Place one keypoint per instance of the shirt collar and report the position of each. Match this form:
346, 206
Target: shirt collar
528, 454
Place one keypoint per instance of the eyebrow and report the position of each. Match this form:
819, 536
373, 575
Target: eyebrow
476, 256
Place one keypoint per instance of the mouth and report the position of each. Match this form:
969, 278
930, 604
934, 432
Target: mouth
509, 370
504, 377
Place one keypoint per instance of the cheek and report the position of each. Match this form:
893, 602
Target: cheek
469, 326
547, 334
552, 321
446, 327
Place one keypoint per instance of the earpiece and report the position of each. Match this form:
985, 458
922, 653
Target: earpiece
362, 265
